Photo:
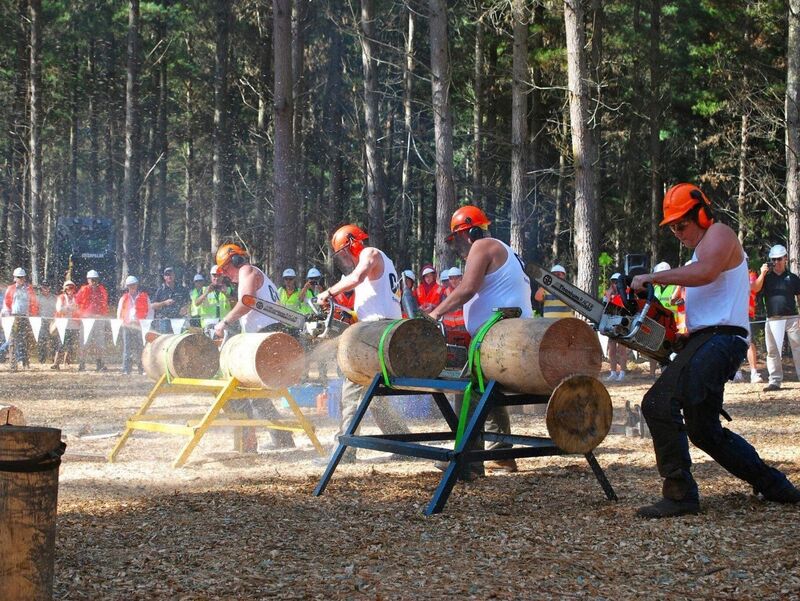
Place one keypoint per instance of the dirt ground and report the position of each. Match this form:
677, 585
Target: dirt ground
229, 526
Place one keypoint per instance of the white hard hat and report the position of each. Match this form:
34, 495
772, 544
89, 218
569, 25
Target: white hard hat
289, 273
616, 275
19, 272
778, 251
131, 279
215, 270
410, 274
428, 270
68, 283
444, 275
92, 274
455, 271
313, 273
557, 268
198, 277
663, 266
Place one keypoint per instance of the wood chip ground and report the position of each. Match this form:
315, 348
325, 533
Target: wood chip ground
229, 526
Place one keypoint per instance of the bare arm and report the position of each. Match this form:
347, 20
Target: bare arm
249, 283
478, 262
370, 265
715, 254
759, 283
539, 296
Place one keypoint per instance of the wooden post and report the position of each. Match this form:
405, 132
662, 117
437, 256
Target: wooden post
27, 513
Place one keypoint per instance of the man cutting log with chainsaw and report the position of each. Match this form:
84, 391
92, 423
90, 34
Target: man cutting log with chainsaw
233, 262
717, 289
494, 277
373, 277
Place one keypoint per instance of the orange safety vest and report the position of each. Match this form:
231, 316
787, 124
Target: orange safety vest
142, 306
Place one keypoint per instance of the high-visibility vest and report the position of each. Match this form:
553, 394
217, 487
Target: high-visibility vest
293, 300
554, 308
216, 306
141, 306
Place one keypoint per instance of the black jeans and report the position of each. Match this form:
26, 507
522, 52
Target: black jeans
699, 393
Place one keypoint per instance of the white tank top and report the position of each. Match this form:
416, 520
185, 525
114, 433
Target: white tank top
506, 287
379, 299
253, 321
723, 302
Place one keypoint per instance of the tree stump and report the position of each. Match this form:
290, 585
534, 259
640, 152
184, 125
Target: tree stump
534, 355
579, 414
11, 416
28, 511
414, 348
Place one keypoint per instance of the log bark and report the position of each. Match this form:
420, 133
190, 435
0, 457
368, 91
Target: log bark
271, 360
579, 414
182, 356
27, 515
534, 355
414, 348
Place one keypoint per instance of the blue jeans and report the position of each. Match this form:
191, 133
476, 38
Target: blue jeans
699, 394
131, 348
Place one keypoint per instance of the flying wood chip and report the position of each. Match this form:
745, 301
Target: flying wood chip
579, 414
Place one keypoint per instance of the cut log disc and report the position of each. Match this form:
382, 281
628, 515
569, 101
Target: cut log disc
579, 414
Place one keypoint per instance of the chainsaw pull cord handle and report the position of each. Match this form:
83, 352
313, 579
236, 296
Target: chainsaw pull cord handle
474, 369
641, 315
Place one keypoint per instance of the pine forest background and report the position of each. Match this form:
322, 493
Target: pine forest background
191, 123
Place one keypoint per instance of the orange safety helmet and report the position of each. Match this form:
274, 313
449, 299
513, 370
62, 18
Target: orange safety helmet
682, 198
227, 252
467, 217
349, 235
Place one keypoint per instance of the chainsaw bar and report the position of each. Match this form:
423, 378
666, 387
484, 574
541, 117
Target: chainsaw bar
572, 296
284, 315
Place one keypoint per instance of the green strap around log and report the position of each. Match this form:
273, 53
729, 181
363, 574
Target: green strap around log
381, 359
474, 369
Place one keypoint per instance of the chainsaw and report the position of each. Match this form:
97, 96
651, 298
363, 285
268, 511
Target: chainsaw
642, 324
317, 324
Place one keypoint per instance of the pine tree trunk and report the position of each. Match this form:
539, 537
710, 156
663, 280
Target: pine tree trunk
443, 131
35, 148
519, 124
285, 239
130, 222
477, 116
558, 211
404, 228
220, 180
741, 199
376, 179
654, 114
793, 134
16, 240
161, 145
94, 146
260, 225
584, 152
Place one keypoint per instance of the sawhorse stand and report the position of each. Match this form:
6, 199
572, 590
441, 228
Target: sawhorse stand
459, 458
223, 391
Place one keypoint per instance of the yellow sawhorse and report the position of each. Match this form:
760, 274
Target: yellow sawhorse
223, 391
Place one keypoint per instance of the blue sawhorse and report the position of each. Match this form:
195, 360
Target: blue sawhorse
459, 458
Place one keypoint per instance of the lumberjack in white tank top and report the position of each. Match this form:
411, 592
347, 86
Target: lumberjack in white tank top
506, 287
253, 321
379, 299
723, 302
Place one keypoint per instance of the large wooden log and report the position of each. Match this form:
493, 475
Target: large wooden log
414, 348
534, 355
579, 414
27, 513
187, 355
271, 360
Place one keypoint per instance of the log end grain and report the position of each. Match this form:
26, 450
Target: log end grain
279, 361
569, 346
579, 414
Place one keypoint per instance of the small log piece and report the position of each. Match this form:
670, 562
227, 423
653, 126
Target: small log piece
188, 355
11, 416
414, 348
269, 360
579, 414
27, 515
533, 355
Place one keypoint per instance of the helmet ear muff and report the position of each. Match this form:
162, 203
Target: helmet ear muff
238, 260
705, 216
475, 233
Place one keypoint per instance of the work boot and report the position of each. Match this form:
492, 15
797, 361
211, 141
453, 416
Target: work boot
787, 493
772, 388
668, 508
508, 466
